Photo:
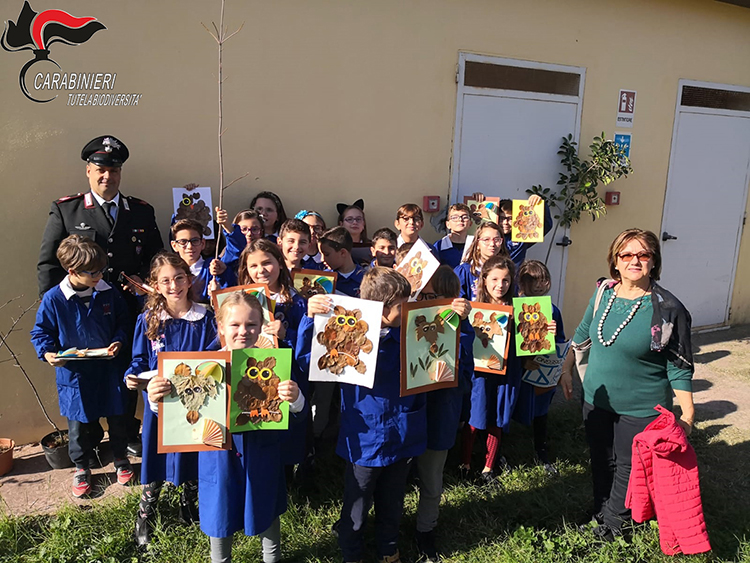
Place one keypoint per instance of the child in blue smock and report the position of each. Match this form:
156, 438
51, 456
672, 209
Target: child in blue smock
262, 262
450, 249
443, 416
171, 322
244, 488
314, 220
488, 242
188, 242
336, 246
493, 397
84, 311
380, 430
534, 402
246, 227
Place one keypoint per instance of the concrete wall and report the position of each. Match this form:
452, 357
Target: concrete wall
329, 101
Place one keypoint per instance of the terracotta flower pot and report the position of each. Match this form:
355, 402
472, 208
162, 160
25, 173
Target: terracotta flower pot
6, 457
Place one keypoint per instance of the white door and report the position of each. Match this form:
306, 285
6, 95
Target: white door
507, 142
704, 210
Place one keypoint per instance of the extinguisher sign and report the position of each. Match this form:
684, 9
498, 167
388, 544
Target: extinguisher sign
625, 108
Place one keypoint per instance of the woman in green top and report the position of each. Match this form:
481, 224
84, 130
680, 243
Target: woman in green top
639, 355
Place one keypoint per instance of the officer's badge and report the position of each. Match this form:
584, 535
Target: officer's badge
109, 144
83, 227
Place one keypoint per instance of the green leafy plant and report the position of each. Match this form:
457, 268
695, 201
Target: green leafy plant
578, 194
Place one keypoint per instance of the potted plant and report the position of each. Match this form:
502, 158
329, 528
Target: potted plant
578, 194
6, 455
54, 444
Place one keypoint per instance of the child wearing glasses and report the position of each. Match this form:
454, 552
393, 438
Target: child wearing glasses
352, 218
171, 322
488, 242
517, 250
409, 221
84, 311
314, 220
188, 242
246, 227
451, 248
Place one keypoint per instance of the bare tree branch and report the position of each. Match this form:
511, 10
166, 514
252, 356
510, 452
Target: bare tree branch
236, 180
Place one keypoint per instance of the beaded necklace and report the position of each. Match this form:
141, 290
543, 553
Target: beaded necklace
623, 324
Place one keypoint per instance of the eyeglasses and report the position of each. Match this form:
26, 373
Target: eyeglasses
95, 273
642, 256
424, 296
505, 219
317, 229
496, 240
413, 218
252, 230
462, 218
178, 281
183, 242
354, 220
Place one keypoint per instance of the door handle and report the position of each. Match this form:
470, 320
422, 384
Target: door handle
665, 236
565, 241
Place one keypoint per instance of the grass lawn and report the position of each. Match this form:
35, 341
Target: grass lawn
531, 518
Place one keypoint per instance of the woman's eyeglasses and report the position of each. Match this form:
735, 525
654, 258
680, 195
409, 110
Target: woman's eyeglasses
642, 256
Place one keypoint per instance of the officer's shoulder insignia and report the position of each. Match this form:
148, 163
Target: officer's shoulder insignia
69, 198
134, 199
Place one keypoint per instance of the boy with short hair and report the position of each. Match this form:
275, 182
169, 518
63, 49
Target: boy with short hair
384, 245
294, 242
450, 249
517, 250
380, 430
188, 242
82, 312
409, 221
336, 247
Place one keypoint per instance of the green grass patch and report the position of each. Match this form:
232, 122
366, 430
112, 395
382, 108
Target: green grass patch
531, 517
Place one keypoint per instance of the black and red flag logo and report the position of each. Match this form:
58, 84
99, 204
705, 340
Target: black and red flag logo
37, 31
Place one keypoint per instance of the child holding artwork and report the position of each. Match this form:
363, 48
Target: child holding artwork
171, 322
493, 397
517, 250
317, 226
380, 430
534, 402
242, 489
188, 242
443, 415
450, 249
262, 262
294, 240
336, 247
409, 221
384, 245
271, 210
84, 311
488, 242
246, 227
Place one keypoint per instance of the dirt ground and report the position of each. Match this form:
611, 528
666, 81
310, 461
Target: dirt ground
721, 390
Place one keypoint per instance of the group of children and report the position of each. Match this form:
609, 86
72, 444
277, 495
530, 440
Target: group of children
380, 432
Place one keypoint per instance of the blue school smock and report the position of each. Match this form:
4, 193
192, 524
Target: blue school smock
192, 333
244, 488
447, 253
203, 277
530, 405
378, 426
236, 243
88, 389
309, 263
294, 441
517, 250
469, 281
494, 397
444, 406
349, 285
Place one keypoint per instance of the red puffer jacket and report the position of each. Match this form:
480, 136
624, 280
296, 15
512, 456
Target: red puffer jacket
664, 481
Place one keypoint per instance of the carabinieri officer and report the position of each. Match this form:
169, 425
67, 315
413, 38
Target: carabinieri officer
124, 226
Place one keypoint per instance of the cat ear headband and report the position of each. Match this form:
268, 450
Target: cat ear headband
359, 204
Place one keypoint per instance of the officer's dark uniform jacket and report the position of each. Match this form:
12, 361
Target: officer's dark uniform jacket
130, 244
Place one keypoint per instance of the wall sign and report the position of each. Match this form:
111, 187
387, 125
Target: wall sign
625, 108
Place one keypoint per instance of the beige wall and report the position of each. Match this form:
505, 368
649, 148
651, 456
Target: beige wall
329, 101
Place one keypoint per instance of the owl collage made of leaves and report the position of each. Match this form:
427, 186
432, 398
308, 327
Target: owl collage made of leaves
344, 337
